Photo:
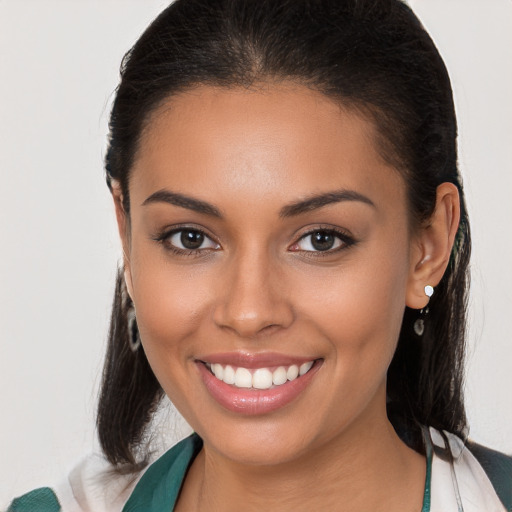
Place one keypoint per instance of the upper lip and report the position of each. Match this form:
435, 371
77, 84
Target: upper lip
252, 361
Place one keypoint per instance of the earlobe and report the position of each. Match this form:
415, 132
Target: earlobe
128, 280
433, 246
122, 226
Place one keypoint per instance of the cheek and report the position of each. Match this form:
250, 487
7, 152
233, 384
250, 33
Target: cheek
359, 308
171, 300
172, 306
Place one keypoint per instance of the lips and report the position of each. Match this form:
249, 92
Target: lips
256, 384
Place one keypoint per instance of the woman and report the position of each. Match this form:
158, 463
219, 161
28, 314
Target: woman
295, 258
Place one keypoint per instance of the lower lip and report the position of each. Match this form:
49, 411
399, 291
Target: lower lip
255, 401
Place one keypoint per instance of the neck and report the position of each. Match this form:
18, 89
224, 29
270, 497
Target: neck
364, 468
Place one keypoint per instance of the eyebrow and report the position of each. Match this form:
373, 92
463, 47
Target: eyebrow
306, 205
323, 199
183, 201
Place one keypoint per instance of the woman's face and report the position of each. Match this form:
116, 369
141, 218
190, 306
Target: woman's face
267, 237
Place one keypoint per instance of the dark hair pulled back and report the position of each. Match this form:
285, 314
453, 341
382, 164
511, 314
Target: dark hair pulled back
370, 55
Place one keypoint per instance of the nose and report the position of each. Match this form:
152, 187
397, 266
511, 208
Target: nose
255, 299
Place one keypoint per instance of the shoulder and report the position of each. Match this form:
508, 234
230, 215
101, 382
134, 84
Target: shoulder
94, 485
498, 467
42, 500
471, 474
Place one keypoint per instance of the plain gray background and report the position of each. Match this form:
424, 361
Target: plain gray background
59, 65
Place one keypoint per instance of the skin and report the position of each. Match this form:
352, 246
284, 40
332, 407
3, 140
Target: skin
257, 286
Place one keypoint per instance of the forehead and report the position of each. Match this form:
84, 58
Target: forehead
269, 140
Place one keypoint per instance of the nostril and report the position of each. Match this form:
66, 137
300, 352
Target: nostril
269, 329
251, 331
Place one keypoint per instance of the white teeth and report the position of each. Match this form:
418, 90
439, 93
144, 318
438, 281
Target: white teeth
279, 376
229, 375
243, 378
293, 372
304, 368
218, 371
261, 378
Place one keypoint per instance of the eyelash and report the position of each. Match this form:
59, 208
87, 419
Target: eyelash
165, 237
346, 241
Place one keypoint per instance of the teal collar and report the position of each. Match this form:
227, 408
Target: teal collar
159, 486
429, 451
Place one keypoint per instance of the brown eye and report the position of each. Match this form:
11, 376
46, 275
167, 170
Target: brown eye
189, 240
321, 240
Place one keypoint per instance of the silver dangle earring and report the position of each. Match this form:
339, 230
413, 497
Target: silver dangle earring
419, 324
133, 331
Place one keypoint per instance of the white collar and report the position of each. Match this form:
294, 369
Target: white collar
461, 486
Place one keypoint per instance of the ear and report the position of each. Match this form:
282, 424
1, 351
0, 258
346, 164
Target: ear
124, 230
432, 246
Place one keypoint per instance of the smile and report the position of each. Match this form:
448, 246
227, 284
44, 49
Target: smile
259, 378
260, 385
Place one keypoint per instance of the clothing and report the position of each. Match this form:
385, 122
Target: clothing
459, 486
